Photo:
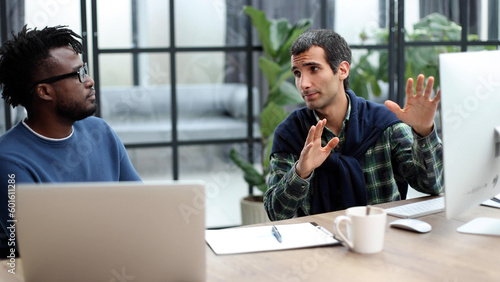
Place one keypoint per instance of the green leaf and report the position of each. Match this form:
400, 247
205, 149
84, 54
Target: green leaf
278, 31
250, 174
262, 24
284, 75
267, 146
283, 53
271, 71
359, 86
376, 91
271, 116
285, 94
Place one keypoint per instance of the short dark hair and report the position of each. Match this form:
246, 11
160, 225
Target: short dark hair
335, 46
27, 54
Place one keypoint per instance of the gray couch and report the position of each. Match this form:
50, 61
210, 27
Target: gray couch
205, 111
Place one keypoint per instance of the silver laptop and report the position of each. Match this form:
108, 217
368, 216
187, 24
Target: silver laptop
123, 231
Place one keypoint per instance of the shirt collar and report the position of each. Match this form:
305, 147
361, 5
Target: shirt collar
47, 138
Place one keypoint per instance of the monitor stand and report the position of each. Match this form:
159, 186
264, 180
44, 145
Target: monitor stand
482, 226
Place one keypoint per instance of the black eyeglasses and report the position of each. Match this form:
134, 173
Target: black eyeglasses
81, 72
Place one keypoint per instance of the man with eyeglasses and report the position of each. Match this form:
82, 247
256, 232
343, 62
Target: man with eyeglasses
60, 140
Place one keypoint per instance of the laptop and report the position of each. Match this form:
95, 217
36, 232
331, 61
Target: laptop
122, 231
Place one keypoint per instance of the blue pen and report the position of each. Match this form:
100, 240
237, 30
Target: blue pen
276, 234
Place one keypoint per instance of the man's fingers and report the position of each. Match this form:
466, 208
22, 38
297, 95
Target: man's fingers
437, 98
393, 107
310, 135
307, 148
419, 89
319, 128
428, 88
409, 87
332, 144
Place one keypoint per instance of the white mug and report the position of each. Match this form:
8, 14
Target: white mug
365, 231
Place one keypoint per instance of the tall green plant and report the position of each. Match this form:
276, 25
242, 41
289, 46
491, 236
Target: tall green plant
276, 37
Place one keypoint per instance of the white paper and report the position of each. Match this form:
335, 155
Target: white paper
491, 203
261, 238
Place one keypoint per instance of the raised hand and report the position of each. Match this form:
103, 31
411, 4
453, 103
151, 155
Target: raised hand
420, 108
313, 155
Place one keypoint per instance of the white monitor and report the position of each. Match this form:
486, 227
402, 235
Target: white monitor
470, 118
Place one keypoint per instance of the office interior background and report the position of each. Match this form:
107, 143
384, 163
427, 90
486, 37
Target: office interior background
179, 80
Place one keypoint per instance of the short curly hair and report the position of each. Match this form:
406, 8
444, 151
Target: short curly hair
27, 54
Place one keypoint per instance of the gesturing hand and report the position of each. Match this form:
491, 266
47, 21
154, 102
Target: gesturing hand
420, 109
313, 155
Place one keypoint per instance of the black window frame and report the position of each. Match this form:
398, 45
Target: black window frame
390, 19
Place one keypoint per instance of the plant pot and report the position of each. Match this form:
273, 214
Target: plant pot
252, 210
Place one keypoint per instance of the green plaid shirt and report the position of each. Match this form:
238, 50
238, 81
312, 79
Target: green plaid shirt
399, 149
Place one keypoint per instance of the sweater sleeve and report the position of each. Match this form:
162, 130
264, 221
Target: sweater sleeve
419, 159
288, 193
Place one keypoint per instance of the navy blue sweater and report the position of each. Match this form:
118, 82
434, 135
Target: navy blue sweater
338, 183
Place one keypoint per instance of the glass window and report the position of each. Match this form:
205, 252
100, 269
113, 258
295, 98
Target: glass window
425, 60
154, 69
211, 23
236, 23
153, 23
114, 23
138, 114
224, 181
484, 24
141, 113
200, 67
434, 27
152, 163
260, 81
432, 21
292, 10
212, 96
351, 27
115, 70
52, 13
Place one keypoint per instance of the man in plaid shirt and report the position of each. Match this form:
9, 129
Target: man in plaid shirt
341, 150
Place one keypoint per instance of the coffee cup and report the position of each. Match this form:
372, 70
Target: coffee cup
365, 229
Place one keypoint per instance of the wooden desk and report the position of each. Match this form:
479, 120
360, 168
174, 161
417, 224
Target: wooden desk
441, 255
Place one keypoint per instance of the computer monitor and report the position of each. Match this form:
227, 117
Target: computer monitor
470, 119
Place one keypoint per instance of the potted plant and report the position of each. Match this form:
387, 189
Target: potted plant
421, 59
276, 37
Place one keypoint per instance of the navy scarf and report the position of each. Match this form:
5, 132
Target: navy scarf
338, 183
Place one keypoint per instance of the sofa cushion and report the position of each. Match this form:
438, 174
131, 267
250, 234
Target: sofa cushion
121, 103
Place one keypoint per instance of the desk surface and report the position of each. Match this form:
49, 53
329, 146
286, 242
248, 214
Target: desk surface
441, 255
